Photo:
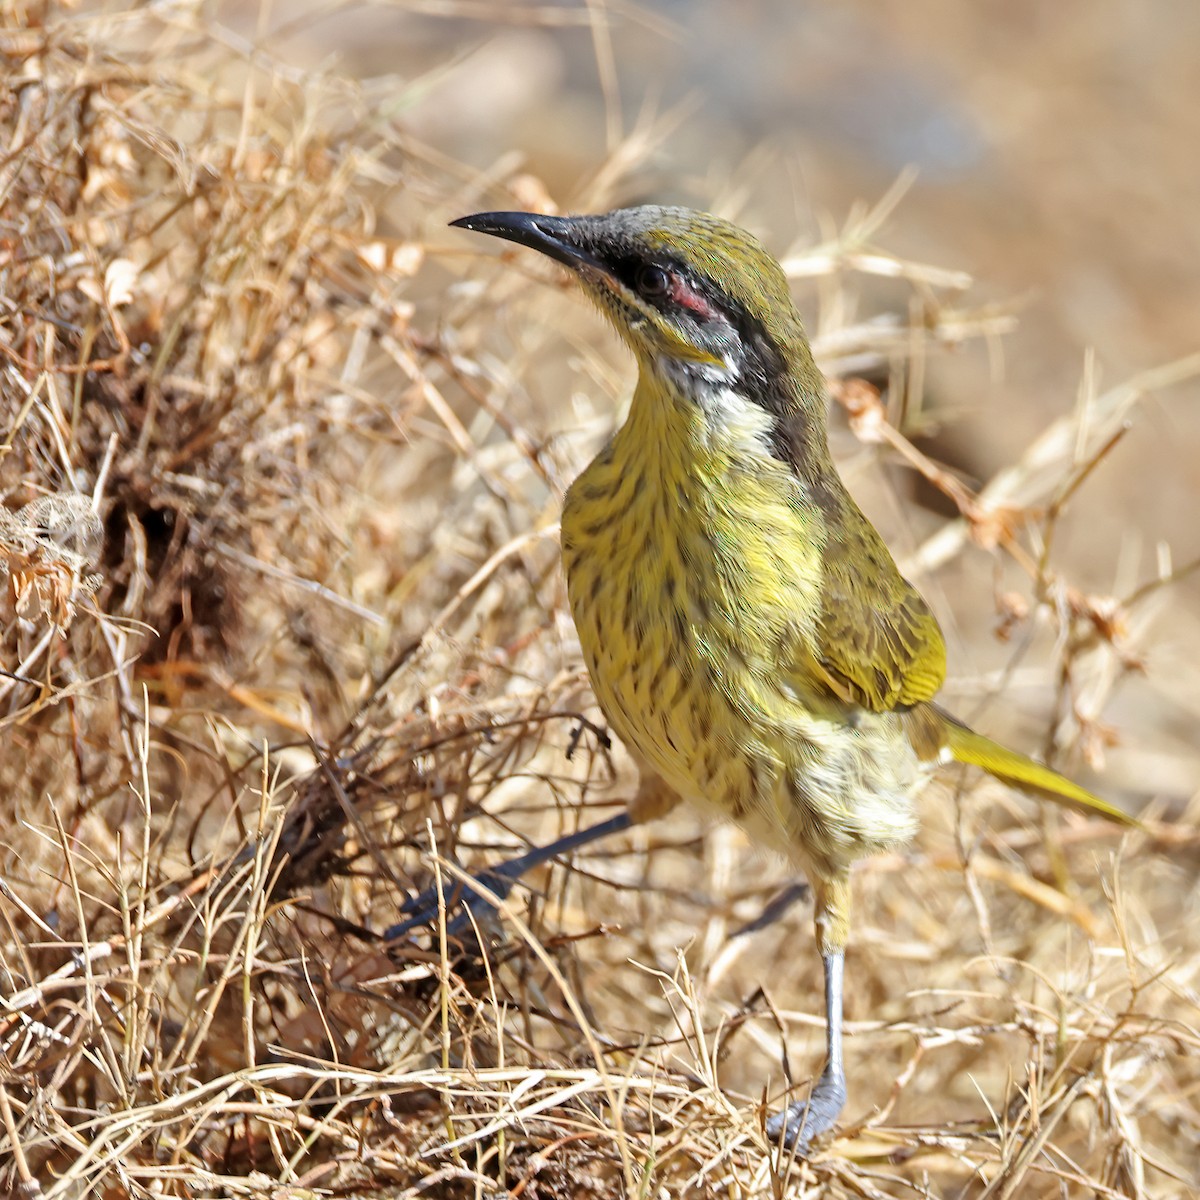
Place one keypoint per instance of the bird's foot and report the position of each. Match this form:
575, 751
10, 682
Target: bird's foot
465, 905
806, 1119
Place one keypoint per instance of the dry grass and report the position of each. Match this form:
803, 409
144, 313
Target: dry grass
284, 639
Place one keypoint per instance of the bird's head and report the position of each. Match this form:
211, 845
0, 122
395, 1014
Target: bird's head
698, 300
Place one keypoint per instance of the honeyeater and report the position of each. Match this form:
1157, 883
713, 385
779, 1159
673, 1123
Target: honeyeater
747, 633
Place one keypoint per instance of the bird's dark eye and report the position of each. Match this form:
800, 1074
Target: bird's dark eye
653, 281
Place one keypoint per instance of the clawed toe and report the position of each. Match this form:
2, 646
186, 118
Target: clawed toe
463, 905
468, 903
798, 1124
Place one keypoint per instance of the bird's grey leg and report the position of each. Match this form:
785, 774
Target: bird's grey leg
805, 1119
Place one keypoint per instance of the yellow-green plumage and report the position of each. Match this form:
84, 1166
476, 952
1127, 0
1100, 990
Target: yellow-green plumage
695, 583
748, 635
1017, 770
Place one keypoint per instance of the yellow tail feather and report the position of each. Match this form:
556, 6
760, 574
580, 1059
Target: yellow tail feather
1023, 773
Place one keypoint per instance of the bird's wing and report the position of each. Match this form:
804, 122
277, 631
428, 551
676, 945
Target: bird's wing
876, 640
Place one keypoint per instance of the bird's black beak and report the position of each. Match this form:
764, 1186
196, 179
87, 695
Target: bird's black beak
556, 237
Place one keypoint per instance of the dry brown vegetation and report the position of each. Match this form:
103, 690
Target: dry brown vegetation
284, 639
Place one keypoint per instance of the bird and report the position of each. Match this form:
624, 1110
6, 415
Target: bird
748, 635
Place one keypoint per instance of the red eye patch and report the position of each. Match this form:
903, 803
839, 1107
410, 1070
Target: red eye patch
683, 294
